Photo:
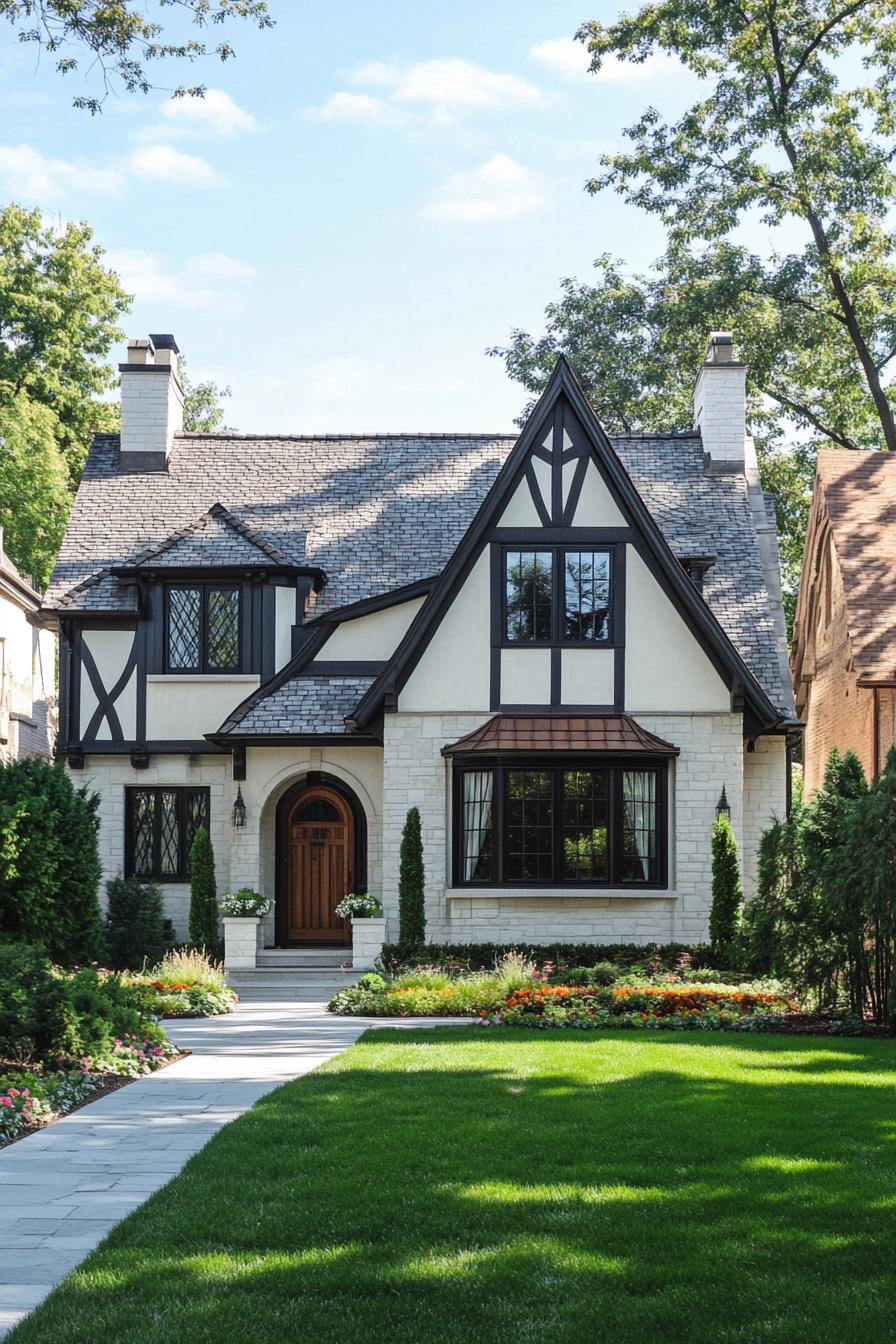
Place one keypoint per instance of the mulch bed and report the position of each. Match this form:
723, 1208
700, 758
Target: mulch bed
107, 1083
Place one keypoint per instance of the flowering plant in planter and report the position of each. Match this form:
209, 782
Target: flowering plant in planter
245, 902
362, 906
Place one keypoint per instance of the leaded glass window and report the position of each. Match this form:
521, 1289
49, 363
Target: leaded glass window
161, 825
586, 607
203, 628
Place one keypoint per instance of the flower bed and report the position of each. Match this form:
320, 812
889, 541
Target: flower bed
184, 984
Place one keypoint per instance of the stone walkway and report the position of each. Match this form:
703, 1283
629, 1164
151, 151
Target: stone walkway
64, 1188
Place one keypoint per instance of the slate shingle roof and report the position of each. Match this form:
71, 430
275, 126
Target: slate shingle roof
302, 705
378, 512
217, 537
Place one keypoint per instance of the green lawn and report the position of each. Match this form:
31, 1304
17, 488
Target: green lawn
458, 1185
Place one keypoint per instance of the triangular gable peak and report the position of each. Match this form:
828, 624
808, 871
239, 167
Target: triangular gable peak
563, 484
217, 538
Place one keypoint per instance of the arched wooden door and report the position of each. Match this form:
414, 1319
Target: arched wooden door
316, 848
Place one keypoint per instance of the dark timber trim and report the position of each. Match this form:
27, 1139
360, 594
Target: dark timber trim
563, 386
365, 606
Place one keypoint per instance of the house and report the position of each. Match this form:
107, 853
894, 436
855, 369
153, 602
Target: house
844, 636
562, 647
27, 668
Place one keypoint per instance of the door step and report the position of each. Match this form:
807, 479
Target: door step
320, 982
323, 957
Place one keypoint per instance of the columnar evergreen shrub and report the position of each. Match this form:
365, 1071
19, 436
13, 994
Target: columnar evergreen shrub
411, 884
203, 894
136, 928
727, 894
49, 861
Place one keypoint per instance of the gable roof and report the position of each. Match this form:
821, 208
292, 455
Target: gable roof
856, 496
563, 388
215, 538
380, 512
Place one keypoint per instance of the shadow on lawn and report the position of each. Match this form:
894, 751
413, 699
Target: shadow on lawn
637, 1188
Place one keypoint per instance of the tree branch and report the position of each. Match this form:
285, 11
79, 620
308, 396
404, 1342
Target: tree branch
812, 418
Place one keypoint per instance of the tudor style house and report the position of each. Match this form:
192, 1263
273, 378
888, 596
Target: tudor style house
560, 646
844, 634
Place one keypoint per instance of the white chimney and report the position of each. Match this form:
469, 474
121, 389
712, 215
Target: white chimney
152, 403
720, 406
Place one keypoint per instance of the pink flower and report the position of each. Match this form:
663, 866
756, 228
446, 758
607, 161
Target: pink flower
5, 1101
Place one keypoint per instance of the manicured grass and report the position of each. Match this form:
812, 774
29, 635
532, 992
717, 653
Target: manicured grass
458, 1186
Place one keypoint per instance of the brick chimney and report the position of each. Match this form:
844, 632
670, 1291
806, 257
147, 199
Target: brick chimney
720, 406
152, 403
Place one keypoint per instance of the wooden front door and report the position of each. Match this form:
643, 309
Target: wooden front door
317, 848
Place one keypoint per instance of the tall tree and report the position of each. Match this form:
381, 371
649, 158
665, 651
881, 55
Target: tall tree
203, 412
59, 313
122, 38
34, 489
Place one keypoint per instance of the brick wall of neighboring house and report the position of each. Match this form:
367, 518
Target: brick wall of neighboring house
837, 711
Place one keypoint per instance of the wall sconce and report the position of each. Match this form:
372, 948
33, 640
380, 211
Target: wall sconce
238, 816
723, 807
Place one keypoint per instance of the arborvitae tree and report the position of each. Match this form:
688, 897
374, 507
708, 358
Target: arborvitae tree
203, 895
51, 870
411, 885
136, 928
727, 895
873, 848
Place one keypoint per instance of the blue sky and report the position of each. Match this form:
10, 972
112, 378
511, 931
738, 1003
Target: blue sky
368, 197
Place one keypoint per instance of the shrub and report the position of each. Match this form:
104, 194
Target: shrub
411, 885
604, 973
727, 895
373, 983
136, 928
203, 895
49, 861
457, 958
191, 967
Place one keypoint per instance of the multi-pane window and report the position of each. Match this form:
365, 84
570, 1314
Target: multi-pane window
555, 595
559, 824
203, 628
161, 824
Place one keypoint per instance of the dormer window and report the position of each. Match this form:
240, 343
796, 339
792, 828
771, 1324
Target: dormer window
203, 628
557, 595
697, 567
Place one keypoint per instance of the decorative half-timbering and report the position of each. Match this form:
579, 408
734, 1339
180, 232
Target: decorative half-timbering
558, 645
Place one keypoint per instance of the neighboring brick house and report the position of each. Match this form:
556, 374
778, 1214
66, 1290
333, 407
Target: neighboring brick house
27, 669
560, 646
844, 638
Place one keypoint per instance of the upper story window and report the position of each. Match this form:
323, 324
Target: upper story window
557, 595
203, 628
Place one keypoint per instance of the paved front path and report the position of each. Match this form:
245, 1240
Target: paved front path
64, 1188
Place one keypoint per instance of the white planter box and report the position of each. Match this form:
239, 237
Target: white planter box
368, 936
242, 939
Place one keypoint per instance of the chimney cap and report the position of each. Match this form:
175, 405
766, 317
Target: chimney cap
164, 341
721, 348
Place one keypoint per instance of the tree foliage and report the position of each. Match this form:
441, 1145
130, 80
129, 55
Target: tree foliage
727, 895
34, 490
411, 884
59, 312
122, 38
50, 869
203, 412
136, 928
203, 927
783, 134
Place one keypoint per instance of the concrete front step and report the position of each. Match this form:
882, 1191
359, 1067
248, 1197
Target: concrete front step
310, 957
316, 980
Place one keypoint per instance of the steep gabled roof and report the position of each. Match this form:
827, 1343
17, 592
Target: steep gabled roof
563, 386
216, 538
855, 503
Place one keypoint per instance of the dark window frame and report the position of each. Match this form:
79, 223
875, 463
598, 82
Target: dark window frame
204, 588
559, 551
617, 766
185, 793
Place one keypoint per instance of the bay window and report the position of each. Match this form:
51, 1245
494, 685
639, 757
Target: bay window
574, 823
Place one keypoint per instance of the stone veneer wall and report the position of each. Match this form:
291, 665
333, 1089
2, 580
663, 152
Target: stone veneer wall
109, 775
765, 797
415, 773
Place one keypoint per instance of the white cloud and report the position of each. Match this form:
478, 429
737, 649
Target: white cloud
450, 87
31, 176
216, 114
499, 189
562, 56
210, 280
358, 109
162, 163
569, 59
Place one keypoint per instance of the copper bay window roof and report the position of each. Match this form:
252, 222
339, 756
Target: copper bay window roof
618, 734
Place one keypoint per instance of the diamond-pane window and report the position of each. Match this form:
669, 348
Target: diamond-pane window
223, 629
161, 824
203, 629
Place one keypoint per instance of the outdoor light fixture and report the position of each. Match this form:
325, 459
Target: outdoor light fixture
723, 807
238, 816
